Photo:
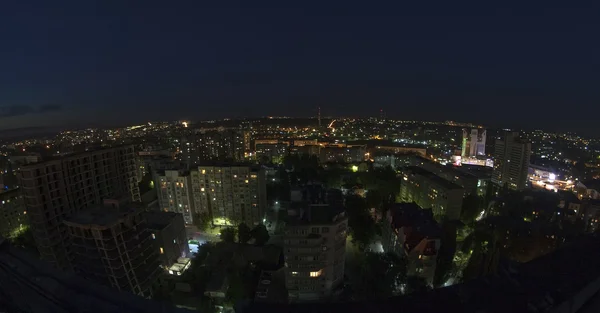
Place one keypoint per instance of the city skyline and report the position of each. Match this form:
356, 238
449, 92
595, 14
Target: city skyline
275, 156
104, 64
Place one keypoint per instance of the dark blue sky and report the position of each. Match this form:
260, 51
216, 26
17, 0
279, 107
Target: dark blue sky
502, 63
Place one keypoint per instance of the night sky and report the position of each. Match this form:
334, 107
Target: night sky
501, 63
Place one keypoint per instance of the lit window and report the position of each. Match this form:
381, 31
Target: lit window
202, 189
153, 236
246, 181
203, 171
315, 274
174, 241
294, 273
162, 251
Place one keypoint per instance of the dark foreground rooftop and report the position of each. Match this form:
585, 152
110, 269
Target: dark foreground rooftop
567, 280
29, 285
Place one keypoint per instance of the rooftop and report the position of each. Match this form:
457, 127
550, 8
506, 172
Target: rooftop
30, 285
420, 221
481, 172
304, 213
226, 164
159, 219
432, 177
561, 281
384, 143
75, 154
180, 172
103, 216
446, 168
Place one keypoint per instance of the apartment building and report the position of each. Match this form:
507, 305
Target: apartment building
230, 194
168, 235
271, 153
13, 216
112, 245
471, 180
430, 191
175, 193
343, 154
315, 251
215, 144
511, 161
412, 233
57, 188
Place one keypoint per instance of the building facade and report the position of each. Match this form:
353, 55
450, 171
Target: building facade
168, 235
230, 194
175, 193
208, 145
473, 142
430, 191
271, 153
511, 161
58, 188
13, 216
342, 154
112, 245
315, 252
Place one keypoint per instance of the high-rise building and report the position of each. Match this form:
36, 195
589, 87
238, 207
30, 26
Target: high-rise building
12, 212
174, 190
58, 188
511, 161
208, 145
315, 251
473, 142
112, 245
430, 191
230, 194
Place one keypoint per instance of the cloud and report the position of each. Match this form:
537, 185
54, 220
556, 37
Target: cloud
15, 110
49, 108
19, 110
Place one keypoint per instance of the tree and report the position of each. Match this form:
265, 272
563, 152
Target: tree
228, 234
207, 305
146, 183
415, 284
380, 276
236, 291
23, 237
446, 253
260, 235
361, 224
471, 208
202, 221
243, 233
374, 199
